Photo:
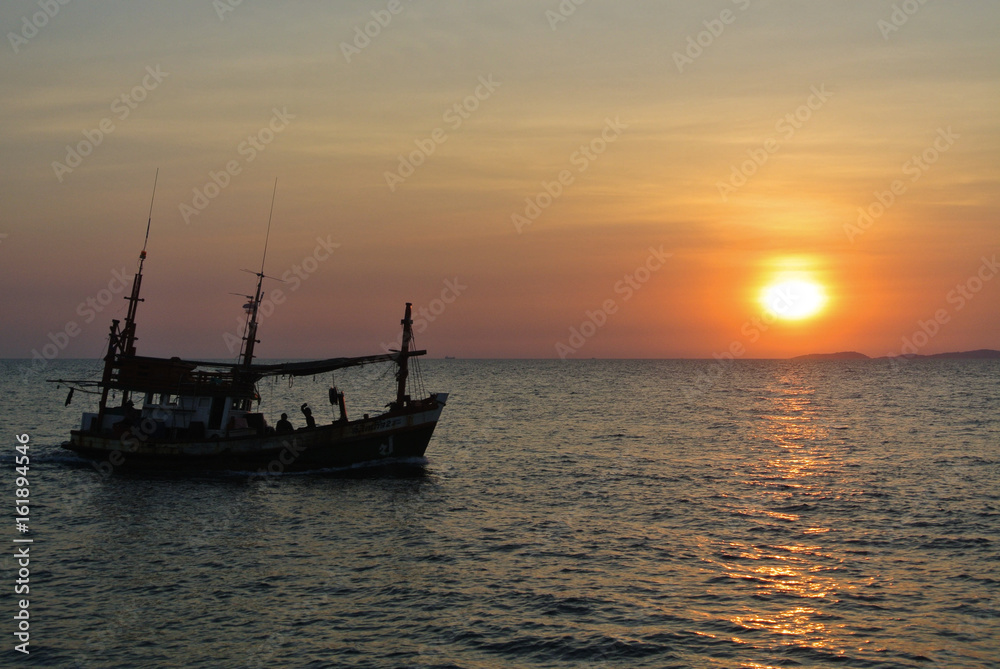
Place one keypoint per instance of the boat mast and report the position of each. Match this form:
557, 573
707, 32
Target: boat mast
122, 342
128, 332
404, 357
250, 339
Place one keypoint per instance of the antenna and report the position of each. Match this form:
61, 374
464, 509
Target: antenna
150, 220
127, 344
251, 335
269, 215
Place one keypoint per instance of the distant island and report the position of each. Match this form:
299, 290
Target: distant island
843, 355
980, 354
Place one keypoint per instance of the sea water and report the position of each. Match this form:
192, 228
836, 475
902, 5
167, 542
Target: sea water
568, 514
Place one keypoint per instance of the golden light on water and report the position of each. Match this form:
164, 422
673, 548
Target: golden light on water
792, 583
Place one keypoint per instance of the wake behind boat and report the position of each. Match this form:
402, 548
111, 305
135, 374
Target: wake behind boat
174, 413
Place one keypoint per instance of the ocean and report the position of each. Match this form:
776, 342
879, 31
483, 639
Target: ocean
593, 513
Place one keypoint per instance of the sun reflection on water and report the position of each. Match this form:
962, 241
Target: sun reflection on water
781, 495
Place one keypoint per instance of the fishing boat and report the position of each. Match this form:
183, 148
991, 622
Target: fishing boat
183, 414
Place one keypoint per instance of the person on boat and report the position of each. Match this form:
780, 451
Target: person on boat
284, 426
307, 412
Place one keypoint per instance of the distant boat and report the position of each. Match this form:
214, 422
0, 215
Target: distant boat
200, 415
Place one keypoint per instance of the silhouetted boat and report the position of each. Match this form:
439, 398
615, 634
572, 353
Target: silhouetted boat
200, 415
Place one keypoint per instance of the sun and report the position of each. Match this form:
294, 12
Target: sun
793, 299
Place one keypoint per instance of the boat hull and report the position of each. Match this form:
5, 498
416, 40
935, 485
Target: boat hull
389, 438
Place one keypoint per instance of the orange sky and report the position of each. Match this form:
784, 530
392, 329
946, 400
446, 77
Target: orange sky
621, 183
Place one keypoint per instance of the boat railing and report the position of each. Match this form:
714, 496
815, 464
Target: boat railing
176, 381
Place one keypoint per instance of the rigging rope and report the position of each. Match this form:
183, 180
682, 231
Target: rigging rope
416, 380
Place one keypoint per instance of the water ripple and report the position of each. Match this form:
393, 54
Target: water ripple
568, 514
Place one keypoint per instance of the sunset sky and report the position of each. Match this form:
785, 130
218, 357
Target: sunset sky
541, 179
